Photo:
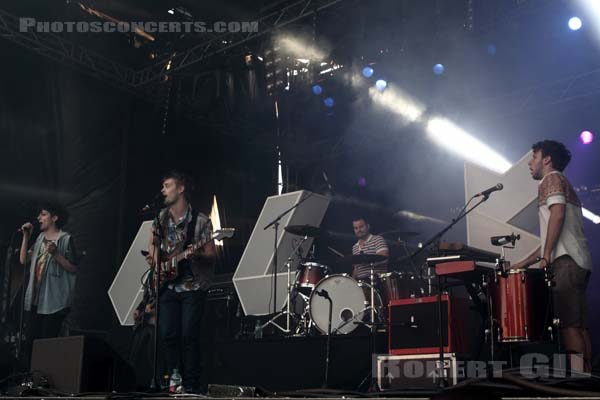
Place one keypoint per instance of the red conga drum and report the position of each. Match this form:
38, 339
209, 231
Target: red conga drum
519, 306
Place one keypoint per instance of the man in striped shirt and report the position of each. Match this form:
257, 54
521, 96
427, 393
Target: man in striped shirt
368, 244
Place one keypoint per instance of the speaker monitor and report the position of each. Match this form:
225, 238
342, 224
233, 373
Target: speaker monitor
77, 364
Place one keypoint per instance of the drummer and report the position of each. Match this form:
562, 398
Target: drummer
367, 244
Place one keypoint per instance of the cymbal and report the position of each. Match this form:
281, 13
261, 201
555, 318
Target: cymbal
395, 235
303, 230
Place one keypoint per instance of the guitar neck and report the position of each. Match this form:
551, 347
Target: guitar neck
195, 247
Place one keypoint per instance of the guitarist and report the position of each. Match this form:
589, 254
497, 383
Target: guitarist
182, 299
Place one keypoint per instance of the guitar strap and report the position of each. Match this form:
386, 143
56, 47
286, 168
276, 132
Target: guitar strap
191, 229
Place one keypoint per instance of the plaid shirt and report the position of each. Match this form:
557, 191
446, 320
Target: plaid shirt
196, 275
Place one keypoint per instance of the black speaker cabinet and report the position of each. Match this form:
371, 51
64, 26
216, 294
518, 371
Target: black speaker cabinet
77, 364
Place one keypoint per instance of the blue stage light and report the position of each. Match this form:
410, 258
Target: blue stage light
380, 85
367, 72
438, 69
575, 23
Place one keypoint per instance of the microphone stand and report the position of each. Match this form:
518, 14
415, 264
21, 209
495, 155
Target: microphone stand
158, 238
463, 213
26, 275
6, 293
323, 293
275, 225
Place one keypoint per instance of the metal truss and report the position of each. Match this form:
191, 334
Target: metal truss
91, 63
580, 86
218, 43
66, 52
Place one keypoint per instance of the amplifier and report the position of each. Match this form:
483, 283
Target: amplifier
221, 289
415, 371
223, 311
414, 325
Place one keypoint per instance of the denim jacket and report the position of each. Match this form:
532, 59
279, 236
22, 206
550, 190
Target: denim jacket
57, 285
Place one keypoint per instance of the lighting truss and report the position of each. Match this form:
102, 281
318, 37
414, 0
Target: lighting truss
66, 52
91, 63
219, 43
563, 90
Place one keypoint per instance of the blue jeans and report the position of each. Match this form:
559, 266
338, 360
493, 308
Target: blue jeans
180, 321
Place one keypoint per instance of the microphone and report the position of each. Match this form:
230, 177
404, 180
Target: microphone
487, 192
327, 181
155, 204
502, 240
25, 229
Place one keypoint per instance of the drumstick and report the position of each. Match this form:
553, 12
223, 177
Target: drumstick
334, 251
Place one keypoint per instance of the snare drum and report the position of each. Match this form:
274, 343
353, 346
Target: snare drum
309, 274
519, 306
350, 304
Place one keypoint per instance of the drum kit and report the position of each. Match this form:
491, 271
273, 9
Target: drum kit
353, 303
319, 299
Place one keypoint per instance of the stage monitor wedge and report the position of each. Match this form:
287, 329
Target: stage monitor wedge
253, 276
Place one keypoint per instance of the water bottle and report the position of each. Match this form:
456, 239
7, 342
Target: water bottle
258, 330
175, 382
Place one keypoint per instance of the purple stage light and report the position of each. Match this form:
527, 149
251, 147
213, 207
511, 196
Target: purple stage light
586, 137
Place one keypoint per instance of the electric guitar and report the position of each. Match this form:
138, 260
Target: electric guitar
168, 267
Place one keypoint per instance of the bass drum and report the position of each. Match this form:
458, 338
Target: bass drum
350, 304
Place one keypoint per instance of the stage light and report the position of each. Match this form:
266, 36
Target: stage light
438, 69
279, 170
367, 72
590, 12
362, 181
381, 85
317, 89
171, 11
328, 102
398, 102
417, 217
215, 219
586, 137
454, 138
575, 23
300, 48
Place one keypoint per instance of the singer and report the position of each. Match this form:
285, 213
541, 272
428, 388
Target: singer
52, 273
563, 245
181, 301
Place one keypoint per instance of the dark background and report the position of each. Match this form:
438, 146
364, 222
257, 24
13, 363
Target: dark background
101, 149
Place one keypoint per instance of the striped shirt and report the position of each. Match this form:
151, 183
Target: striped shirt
374, 244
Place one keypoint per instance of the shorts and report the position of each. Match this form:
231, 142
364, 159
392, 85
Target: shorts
568, 295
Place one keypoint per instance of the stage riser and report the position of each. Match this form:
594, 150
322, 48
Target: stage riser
294, 363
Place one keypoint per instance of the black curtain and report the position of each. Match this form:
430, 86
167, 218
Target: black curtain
63, 136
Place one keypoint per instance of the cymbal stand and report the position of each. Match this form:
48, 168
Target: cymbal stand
373, 326
287, 312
